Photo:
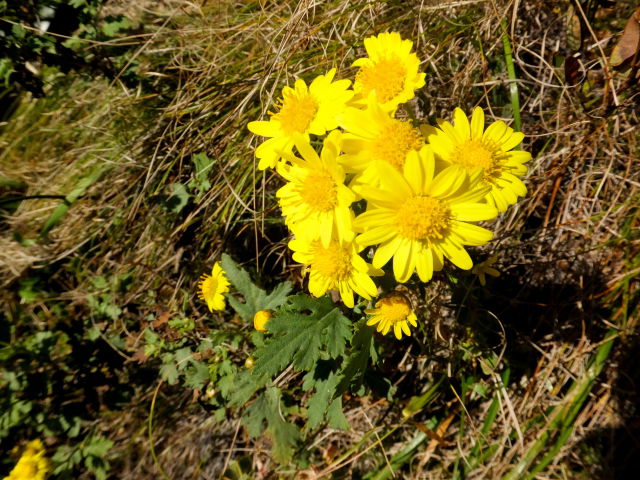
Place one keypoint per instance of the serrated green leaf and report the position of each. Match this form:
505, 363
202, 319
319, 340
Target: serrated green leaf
300, 330
362, 348
268, 408
255, 416
335, 415
169, 373
246, 383
321, 399
97, 447
255, 297
196, 375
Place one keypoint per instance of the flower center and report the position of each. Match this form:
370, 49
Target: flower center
395, 141
319, 191
422, 218
333, 262
475, 153
394, 308
296, 112
386, 77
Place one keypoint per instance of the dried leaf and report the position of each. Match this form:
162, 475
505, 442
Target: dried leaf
161, 320
629, 44
573, 73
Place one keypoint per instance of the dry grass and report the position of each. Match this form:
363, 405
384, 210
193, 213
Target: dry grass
568, 252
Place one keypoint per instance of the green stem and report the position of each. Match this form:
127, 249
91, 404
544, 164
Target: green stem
511, 72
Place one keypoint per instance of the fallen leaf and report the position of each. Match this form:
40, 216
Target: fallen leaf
629, 44
162, 319
573, 71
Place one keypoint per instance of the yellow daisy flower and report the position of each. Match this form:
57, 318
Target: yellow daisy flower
393, 311
390, 70
418, 218
469, 145
212, 287
32, 465
484, 268
335, 267
302, 110
374, 137
315, 200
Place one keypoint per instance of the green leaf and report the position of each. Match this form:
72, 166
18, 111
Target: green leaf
169, 373
321, 399
255, 298
362, 349
300, 329
112, 27
246, 383
335, 416
196, 375
178, 199
78, 190
200, 183
97, 447
268, 408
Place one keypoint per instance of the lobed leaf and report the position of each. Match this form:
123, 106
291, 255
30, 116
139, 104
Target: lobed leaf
255, 298
302, 330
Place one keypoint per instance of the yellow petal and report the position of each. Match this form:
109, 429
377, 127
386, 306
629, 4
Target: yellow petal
448, 182
471, 234
461, 123
477, 123
424, 265
512, 141
385, 252
473, 212
457, 254
403, 261
264, 128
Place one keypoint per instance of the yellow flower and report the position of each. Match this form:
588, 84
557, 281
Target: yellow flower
393, 311
418, 218
261, 318
32, 465
212, 287
469, 145
302, 110
335, 267
374, 137
315, 200
390, 70
484, 268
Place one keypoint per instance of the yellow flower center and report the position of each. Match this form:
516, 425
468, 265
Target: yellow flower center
333, 262
422, 218
319, 191
476, 153
395, 141
296, 112
386, 77
394, 308
208, 287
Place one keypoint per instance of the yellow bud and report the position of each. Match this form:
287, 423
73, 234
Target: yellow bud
248, 363
261, 318
210, 392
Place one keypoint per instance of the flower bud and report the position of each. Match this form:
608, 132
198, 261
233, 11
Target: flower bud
261, 318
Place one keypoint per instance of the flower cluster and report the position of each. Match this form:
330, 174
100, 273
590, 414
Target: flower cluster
421, 189
32, 465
